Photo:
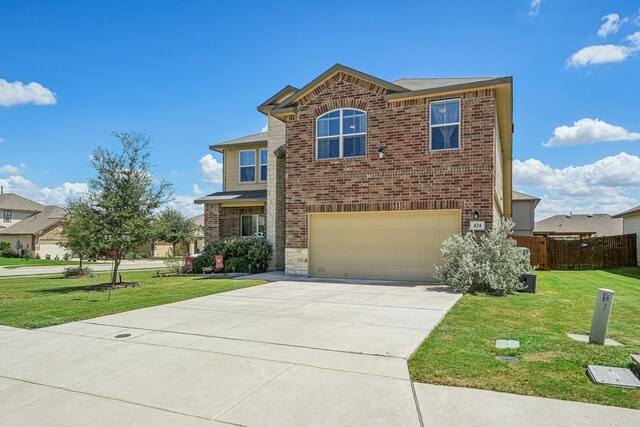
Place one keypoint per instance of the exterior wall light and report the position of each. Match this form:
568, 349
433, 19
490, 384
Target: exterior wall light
476, 215
382, 152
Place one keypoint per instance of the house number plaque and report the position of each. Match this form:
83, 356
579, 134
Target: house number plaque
476, 225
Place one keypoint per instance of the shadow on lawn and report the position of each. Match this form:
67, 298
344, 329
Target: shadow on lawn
63, 289
631, 272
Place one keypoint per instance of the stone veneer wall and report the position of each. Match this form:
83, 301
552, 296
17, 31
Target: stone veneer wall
409, 177
275, 210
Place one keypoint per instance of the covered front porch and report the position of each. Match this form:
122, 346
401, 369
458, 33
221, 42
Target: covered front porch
234, 214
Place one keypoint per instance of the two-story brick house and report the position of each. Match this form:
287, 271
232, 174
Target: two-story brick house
358, 177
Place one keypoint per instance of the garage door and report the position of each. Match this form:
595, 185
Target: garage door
379, 245
51, 249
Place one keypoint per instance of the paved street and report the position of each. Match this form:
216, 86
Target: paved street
283, 354
126, 265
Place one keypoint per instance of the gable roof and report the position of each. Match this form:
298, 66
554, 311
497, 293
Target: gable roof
273, 101
14, 202
397, 89
598, 224
330, 73
256, 138
516, 195
36, 223
439, 82
626, 213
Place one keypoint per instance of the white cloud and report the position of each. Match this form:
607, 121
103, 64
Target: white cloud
18, 93
535, 7
196, 189
265, 128
589, 131
22, 186
605, 186
210, 169
12, 170
599, 54
634, 40
184, 204
605, 53
611, 24
60, 194
176, 173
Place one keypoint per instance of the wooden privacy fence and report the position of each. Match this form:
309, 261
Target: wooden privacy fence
589, 253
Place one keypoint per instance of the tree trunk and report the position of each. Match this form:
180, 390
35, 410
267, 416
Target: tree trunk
173, 248
116, 264
80, 264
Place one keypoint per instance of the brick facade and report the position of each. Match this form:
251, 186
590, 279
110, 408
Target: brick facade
408, 177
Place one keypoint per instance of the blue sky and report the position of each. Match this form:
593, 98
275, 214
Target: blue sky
190, 73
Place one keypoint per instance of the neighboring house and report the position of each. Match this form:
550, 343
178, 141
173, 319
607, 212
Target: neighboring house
579, 225
31, 227
631, 225
523, 210
358, 177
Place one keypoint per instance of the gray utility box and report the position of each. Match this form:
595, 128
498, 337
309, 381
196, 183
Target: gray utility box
529, 282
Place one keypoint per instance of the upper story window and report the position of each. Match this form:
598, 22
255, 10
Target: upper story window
444, 123
264, 159
248, 166
341, 133
7, 216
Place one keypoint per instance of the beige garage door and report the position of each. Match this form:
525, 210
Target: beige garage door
379, 245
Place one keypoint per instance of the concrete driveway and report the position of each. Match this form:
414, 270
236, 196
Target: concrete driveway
283, 354
286, 353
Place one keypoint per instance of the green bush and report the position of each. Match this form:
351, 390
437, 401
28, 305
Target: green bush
241, 254
491, 264
76, 271
6, 251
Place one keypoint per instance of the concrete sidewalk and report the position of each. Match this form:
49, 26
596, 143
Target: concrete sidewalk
282, 354
58, 269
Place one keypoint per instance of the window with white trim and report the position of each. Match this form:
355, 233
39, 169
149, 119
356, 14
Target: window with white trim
341, 133
248, 166
7, 216
444, 121
252, 225
264, 159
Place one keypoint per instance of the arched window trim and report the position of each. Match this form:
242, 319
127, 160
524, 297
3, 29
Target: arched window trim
341, 134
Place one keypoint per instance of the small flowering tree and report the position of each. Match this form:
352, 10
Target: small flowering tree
491, 263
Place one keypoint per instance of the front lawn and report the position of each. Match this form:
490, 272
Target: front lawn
22, 262
461, 351
39, 302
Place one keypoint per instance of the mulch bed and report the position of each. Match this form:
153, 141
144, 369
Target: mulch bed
106, 286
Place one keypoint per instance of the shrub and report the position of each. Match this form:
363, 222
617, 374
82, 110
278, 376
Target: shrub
491, 263
27, 255
241, 254
6, 251
176, 266
66, 256
77, 271
47, 256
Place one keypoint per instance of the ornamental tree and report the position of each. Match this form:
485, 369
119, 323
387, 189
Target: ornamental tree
124, 195
173, 227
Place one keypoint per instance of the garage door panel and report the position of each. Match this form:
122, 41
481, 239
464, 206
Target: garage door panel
384, 245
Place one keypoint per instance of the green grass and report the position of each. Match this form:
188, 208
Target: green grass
21, 262
461, 350
39, 302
